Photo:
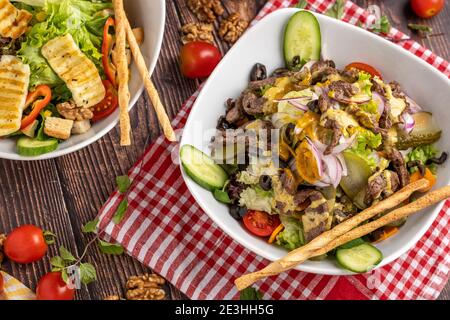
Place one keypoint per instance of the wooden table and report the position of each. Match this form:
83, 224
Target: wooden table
64, 193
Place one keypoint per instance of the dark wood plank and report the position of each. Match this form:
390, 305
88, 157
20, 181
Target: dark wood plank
62, 194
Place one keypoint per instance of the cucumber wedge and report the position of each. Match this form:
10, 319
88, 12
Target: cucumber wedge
360, 258
302, 38
202, 169
28, 147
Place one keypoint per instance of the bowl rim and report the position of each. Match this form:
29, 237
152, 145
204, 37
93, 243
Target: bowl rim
59, 153
253, 246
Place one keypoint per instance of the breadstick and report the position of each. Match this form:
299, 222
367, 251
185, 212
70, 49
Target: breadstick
305, 252
149, 86
122, 73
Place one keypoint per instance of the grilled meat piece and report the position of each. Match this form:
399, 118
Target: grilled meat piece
343, 89
252, 104
321, 70
380, 186
398, 163
350, 75
337, 134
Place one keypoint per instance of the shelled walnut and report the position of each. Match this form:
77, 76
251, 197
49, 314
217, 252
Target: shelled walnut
232, 27
197, 32
145, 287
70, 111
206, 10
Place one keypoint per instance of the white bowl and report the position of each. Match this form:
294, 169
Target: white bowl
149, 15
342, 43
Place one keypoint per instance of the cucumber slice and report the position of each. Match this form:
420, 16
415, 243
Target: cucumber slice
202, 169
28, 147
360, 258
302, 38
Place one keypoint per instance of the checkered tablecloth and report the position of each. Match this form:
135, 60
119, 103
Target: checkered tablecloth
165, 229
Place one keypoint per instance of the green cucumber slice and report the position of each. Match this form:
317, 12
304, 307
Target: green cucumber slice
202, 169
29, 147
360, 258
302, 38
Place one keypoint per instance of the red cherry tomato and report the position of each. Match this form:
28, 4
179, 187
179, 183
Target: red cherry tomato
364, 67
1, 284
25, 244
108, 105
427, 8
52, 287
198, 59
261, 223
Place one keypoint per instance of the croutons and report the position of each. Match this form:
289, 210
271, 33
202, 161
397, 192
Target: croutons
80, 127
58, 128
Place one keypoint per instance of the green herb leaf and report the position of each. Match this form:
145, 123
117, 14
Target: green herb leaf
66, 255
49, 237
301, 4
381, 26
90, 227
65, 276
337, 10
421, 28
110, 248
251, 293
123, 183
120, 212
87, 273
57, 263
221, 196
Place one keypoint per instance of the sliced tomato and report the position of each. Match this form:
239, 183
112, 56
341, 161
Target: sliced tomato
108, 105
364, 67
261, 223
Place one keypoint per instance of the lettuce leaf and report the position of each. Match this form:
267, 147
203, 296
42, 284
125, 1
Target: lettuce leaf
370, 107
366, 143
364, 83
423, 153
255, 198
292, 235
76, 17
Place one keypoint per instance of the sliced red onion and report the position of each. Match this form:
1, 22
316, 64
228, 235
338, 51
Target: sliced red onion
320, 146
317, 155
333, 169
407, 122
379, 101
343, 164
344, 143
298, 105
413, 106
357, 100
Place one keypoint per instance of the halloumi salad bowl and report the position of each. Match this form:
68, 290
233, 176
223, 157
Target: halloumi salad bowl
58, 86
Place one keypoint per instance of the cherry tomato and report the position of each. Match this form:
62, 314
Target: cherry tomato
108, 105
261, 223
52, 287
427, 8
198, 59
25, 244
1, 284
364, 67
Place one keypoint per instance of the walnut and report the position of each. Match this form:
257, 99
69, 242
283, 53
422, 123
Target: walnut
70, 111
145, 287
197, 32
206, 10
2, 240
113, 297
232, 27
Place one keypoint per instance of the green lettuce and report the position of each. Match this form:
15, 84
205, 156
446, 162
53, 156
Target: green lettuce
423, 153
77, 17
292, 235
370, 107
366, 143
255, 198
364, 82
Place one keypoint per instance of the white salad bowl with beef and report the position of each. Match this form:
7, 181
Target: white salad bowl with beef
357, 119
57, 47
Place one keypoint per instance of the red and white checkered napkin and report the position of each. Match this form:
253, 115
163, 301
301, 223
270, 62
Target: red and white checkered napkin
166, 230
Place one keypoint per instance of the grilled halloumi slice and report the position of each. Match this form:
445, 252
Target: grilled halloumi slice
13, 22
14, 81
75, 69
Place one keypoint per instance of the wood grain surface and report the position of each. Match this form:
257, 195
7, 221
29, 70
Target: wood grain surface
64, 193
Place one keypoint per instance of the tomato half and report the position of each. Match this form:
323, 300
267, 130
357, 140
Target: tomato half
52, 287
198, 59
25, 244
108, 105
365, 67
261, 223
427, 8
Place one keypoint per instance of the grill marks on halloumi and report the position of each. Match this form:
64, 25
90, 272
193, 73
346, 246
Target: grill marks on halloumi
14, 81
13, 22
76, 70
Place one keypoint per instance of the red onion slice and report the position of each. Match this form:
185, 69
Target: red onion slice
357, 100
413, 106
298, 105
379, 101
341, 159
344, 144
407, 122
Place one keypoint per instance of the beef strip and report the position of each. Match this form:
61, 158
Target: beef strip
288, 181
343, 89
337, 134
350, 75
257, 85
321, 70
396, 90
378, 88
385, 121
235, 111
252, 104
324, 103
399, 166
377, 187
365, 119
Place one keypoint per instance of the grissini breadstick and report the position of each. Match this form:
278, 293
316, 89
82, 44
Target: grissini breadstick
151, 90
305, 252
122, 73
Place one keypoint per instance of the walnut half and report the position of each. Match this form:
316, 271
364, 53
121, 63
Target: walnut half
197, 32
206, 10
70, 111
145, 287
232, 28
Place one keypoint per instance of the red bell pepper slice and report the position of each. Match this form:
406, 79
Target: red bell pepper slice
107, 45
38, 104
